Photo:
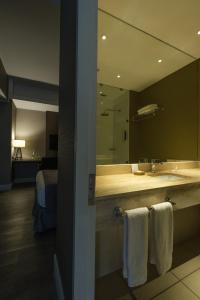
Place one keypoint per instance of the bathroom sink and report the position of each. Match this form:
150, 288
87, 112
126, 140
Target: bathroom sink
167, 176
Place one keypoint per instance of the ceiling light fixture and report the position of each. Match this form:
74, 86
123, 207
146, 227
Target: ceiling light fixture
198, 32
104, 37
159, 61
118, 76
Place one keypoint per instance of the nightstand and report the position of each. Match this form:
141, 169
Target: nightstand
25, 170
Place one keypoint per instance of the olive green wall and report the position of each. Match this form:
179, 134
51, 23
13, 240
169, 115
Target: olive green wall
173, 132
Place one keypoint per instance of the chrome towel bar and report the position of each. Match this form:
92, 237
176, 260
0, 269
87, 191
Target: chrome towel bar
119, 212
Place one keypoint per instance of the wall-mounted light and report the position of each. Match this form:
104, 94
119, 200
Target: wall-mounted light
118, 76
159, 60
18, 144
198, 32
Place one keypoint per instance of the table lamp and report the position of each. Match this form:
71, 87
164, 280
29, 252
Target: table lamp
18, 144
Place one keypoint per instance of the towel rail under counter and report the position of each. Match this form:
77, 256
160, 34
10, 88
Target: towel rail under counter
119, 212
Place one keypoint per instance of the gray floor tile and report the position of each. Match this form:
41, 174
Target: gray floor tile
177, 292
193, 282
187, 268
155, 287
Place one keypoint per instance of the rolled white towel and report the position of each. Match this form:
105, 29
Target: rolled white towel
147, 109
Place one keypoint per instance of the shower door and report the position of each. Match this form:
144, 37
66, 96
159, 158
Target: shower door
112, 125
121, 129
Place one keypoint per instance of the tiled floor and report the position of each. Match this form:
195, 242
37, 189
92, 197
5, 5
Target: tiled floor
181, 283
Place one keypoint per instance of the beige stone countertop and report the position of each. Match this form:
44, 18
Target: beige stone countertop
113, 186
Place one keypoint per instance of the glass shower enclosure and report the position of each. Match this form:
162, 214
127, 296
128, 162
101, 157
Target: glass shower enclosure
112, 125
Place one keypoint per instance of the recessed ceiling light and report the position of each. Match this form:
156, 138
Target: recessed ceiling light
159, 61
103, 37
198, 32
100, 92
118, 76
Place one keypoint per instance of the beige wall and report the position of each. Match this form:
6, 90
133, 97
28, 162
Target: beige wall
173, 133
31, 126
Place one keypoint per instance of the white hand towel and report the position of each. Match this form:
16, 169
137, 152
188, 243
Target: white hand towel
135, 249
161, 236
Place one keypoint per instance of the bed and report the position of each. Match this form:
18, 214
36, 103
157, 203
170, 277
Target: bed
44, 210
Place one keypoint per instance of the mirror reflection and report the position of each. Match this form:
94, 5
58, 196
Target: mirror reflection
112, 119
147, 96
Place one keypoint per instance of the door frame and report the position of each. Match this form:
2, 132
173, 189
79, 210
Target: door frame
74, 261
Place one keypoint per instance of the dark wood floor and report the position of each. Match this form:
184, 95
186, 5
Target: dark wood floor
26, 261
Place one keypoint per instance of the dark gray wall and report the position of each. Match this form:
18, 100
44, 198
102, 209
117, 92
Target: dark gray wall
31, 90
66, 150
3, 79
76, 159
51, 128
5, 143
173, 133
14, 115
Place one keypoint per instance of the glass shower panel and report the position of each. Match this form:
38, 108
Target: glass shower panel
121, 129
112, 127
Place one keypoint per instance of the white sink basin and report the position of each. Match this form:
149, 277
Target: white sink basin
167, 176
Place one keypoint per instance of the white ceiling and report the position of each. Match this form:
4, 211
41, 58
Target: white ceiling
29, 46
134, 54
174, 21
21, 104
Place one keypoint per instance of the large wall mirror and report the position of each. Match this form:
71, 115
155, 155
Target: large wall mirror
148, 84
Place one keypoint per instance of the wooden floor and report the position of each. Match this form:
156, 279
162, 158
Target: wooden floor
26, 261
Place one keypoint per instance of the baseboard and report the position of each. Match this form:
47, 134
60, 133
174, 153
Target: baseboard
58, 281
5, 187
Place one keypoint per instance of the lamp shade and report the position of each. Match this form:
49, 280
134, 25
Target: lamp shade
19, 143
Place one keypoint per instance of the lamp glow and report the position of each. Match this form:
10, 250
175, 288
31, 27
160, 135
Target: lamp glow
19, 143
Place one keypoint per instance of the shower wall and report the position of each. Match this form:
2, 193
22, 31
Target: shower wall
112, 127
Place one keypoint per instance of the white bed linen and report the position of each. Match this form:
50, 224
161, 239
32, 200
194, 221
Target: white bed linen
40, 189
